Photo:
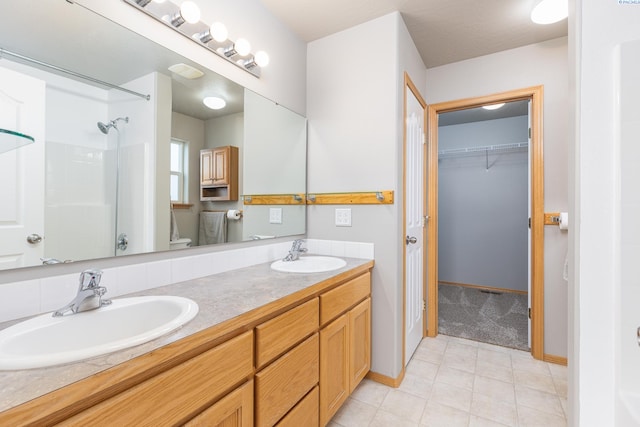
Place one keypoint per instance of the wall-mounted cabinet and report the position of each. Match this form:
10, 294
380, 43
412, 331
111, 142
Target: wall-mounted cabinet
219, 174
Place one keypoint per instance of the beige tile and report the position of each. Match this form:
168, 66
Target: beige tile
456, 397
422, 369
476, 421
561, 386
463, 362
464, 341
354, 414
404, 405
499, 358
434, 344
429, 355
565, 406
493, 347
528, 417
495, 371
557, 371
416, 385
456, 377
438, 415
461, 348
539, 400
528, 364
333, 424
387, 419
494, 409
371, 392
535, 381
494, 389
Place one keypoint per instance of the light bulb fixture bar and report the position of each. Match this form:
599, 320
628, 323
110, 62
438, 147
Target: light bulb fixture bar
185, 19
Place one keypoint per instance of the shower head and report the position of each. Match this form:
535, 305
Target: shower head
104, 128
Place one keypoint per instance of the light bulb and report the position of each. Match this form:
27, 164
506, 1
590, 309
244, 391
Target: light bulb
242, 47
159, 1
550, 11
190, 12
214, 102
493, 106
262, 58
219, 32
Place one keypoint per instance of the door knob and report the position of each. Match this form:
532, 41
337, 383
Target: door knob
411, 239
34, 238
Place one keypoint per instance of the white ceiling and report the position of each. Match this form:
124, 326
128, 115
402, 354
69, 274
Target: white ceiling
444, 31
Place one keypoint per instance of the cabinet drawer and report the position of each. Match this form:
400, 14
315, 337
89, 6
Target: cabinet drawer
282, 384
305, 412
174, 396
278, 335
338, 300
233, 410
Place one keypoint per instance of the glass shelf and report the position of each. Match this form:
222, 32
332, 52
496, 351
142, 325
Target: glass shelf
10, 140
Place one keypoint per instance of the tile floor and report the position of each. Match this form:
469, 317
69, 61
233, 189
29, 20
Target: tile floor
454, 382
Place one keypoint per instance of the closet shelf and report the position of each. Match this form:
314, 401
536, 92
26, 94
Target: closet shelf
470, 151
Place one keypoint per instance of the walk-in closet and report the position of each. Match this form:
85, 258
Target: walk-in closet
483, 234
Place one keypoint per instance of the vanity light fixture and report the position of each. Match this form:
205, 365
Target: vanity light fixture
185, 19
189, 12
214, 102
550, 11
493, 106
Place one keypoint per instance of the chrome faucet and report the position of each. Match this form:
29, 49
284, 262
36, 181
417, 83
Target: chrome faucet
295, 251
89, 296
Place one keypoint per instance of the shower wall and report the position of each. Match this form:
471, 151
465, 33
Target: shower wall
628, 372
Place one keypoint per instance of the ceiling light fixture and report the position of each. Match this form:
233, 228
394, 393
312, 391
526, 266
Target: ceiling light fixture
214, 102
550, 11
185, 19
493, 106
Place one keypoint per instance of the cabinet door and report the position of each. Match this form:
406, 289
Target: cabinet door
220, 159
359, 343
234, 410
206, 167
334, 367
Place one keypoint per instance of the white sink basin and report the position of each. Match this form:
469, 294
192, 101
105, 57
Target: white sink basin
47, 341
309, 264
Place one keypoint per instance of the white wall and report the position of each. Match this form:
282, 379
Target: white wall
482, 213
354, 111
538, 64
596, 28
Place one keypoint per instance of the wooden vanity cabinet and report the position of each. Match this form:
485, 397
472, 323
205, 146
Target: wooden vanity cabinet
180, 393
345, 342
290, 363
219, 173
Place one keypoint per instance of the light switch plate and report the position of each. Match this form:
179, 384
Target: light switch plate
275, 215
343, 217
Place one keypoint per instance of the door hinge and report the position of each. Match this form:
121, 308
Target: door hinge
529, 133
529, 222
529, 313
424, 305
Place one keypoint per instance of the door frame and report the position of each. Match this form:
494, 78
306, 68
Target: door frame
409, 85
535, 95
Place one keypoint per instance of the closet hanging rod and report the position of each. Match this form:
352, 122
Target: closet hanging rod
4, 52
483, 149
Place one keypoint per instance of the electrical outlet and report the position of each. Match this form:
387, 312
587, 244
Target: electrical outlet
275, 215
343, 217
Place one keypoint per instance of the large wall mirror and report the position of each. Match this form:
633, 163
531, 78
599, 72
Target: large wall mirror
100, 178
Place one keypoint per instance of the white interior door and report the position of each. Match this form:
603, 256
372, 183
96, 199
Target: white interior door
22, 109
414, 221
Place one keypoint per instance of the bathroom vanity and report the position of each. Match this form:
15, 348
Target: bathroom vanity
267, 348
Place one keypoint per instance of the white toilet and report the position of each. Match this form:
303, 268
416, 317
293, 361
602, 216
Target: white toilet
180, 243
